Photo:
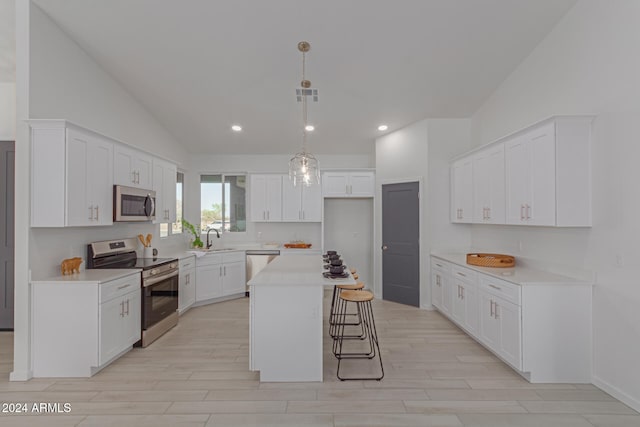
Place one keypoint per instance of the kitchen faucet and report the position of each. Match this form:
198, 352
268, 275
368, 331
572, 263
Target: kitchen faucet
209, 244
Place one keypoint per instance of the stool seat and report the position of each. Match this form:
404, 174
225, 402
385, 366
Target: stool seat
356, 296
355, 287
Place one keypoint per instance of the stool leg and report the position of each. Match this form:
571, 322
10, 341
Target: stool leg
372, 335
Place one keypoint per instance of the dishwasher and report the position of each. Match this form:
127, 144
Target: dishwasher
257, 259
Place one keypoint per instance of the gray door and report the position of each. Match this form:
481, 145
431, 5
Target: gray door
7, 155
400, 243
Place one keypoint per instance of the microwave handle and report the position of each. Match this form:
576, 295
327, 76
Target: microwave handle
153, 205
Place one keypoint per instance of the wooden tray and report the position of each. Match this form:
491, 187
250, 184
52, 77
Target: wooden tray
297, 245
491, 260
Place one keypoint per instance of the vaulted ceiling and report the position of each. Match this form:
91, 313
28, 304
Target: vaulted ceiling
200, 66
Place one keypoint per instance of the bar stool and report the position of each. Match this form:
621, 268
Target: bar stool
362, 299
337, 289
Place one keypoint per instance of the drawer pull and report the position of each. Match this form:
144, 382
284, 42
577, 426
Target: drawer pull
496, 287
461, 274
124, 286
439, 265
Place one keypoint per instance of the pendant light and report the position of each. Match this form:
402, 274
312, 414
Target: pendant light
303, 167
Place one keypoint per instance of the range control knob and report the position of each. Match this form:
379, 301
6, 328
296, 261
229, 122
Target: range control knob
154, 272
173, 265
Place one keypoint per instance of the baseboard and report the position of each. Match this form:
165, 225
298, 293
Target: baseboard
623, 397
20, 375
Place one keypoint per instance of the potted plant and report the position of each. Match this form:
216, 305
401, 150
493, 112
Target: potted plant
197, 242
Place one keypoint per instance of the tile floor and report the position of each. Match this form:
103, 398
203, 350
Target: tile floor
197, 375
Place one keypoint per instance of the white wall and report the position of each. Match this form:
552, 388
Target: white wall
421, 152
66, 83
57, 79
262, 164
589, 64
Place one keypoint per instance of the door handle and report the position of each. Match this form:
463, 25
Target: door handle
385, 247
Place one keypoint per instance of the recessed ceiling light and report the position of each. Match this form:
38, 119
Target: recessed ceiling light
309, 128
383, 128
236, 128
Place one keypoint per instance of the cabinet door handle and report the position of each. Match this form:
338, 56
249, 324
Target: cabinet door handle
224, 269
496, 315
138, 177
303, 216
127, 313
91, 213
97, 213
491, 308
528, 211
220, 272
495, 287
268, 214
124, 286
133, 176
122, 309
521, 212
264, 214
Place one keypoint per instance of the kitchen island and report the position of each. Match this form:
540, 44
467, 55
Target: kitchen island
286, 300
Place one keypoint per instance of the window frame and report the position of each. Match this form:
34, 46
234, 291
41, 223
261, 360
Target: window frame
223, 176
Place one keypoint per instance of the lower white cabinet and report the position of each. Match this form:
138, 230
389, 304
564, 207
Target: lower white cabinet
81, 323
187, 284
464, 305
219, 275
539, 323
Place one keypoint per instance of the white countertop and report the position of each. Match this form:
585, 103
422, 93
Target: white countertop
90, 277
296, 270
520, 275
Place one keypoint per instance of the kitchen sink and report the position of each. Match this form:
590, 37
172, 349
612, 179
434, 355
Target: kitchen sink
215, 249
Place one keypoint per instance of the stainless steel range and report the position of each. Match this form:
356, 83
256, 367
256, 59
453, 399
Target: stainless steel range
159, 283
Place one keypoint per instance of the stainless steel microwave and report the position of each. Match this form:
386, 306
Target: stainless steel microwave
133, 204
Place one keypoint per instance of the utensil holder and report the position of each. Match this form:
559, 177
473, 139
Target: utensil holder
147, 253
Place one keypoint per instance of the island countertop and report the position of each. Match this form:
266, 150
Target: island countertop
296, 270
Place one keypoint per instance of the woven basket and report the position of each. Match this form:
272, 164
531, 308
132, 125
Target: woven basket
491, 260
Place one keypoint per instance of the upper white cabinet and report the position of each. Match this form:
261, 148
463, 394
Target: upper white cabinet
462, 190
348, 184
488, 185
540, 175
530, 170
132, 168
266, 198
301, 203
71, 176
164, 184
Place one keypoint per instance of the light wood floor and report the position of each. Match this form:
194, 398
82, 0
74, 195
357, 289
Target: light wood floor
197, 374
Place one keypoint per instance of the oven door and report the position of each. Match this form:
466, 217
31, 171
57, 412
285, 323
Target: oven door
159, 298
133, 204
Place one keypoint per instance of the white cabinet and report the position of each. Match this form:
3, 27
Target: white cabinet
489, 185
464, 307
233, 277
462, 190
348, 184
132, 168
219, 275
301, 203
530, 171
187, 284
440, 272
81, 324
541, 327
500, 319
266, 198
544, 178
120, 322
71, 176
164, 184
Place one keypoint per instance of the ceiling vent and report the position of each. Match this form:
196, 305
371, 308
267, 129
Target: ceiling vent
311, 93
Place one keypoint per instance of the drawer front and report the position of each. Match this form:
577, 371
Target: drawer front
186, 263
442, 266
119, 287
233, 256
509, 291
464, 274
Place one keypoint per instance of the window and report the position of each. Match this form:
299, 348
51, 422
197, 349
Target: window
175, 228
223, 202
